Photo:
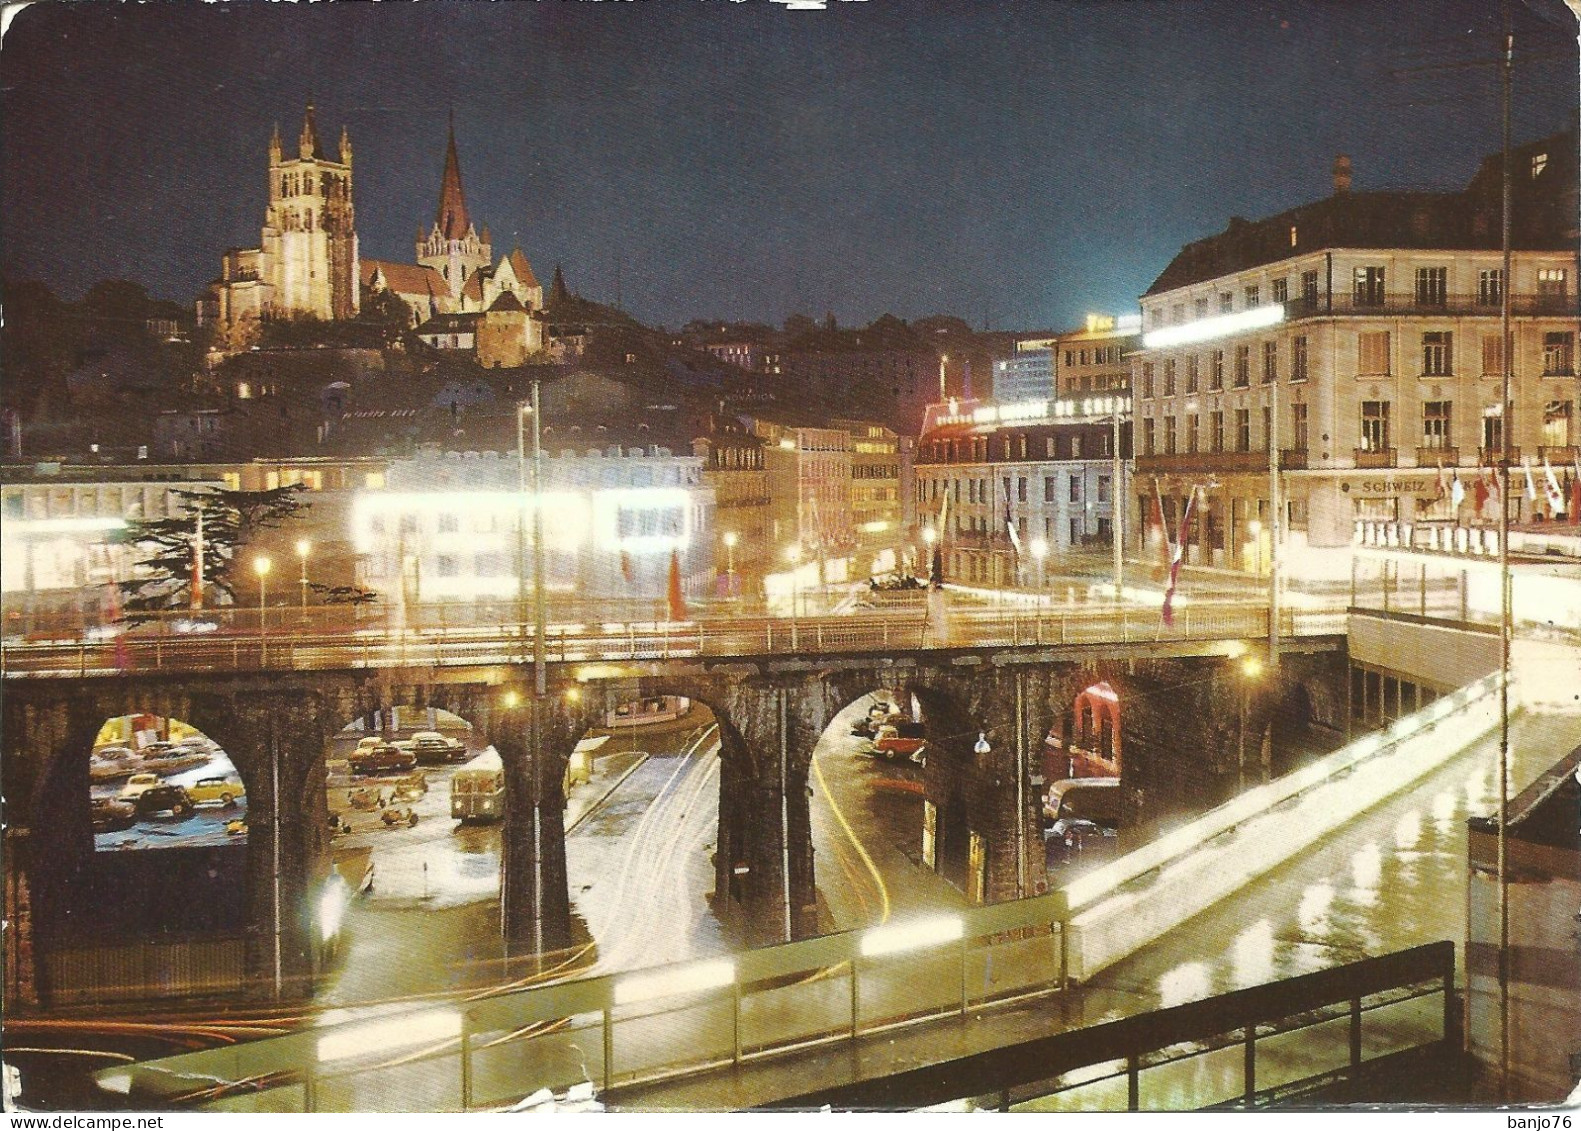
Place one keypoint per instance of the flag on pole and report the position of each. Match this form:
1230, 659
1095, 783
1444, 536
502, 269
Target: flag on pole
1156, 531
1494, 490
677, 599
1575, 496
625, 567
1443, 488
1010, 528
1479, 491
197, 563
1177, 555
1531, 488
1556, 497
1457, 492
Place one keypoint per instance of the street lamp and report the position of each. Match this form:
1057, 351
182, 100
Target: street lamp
303, 549
1251, 669
261, 566
540, 616
730, 557
1040, 551
793, 556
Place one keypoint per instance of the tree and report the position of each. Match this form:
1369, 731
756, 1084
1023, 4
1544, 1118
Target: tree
231, 519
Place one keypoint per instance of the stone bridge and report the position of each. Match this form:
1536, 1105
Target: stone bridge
1183, 707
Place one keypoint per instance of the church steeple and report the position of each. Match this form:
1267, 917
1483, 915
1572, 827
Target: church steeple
274, 145
452, 218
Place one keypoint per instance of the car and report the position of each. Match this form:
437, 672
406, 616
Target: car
399, 815
138, 783
385, 758
431, 746
900, 739
162, 798
111, 816
1081, 817
224, 790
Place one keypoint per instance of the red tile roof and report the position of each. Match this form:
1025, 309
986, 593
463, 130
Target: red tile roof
406, 278
523, 269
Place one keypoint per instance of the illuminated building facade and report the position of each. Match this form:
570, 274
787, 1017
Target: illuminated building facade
447, 527
1046, 466
1360, 337
1096, 357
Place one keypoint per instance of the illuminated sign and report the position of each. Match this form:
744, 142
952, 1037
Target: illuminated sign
1205, 329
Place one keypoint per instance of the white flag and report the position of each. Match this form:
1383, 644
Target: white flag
1457, 493
1531, 488
1556, 497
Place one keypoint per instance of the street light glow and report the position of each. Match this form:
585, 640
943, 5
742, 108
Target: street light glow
303, 547
1251, 667
1040, 548
731, 539
261, 566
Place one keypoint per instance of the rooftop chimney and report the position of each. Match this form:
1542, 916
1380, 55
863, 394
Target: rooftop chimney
1341, 175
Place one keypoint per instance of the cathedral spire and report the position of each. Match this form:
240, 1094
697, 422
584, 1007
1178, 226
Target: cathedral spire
452, 219
274, 145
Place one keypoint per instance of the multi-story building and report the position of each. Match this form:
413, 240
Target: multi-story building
446, 527
1045, 468
1096, 357
733, 468
877, 516
1360, 338
1028, 375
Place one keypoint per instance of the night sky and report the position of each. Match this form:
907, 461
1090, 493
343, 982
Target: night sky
1014, 162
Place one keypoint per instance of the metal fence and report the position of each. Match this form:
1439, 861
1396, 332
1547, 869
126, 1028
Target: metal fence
964, 627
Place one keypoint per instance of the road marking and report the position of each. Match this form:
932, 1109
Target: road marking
883, 892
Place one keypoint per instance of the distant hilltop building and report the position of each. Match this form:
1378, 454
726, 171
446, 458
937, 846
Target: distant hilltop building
307, 262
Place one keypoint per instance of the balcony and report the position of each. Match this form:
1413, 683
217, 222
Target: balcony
1565, 454
1451, 306
1437, 457
1379, 457
1293, 459
1489, 457
1187, 463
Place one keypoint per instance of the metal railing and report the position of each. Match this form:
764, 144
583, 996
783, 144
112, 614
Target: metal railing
1313, 1029
291, 649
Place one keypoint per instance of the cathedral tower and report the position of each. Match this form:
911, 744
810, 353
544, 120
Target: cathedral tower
453, 247
308, 250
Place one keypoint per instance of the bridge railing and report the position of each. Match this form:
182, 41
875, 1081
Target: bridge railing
291, 649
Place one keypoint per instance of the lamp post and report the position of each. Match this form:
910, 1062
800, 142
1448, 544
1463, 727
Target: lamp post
793, 556
535, 497
261, 566
303, 549
1040, 552
730, 557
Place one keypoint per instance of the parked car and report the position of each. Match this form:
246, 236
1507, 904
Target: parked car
900, 739
876, 716
431, 746
399, 815
1081, 816
226, 791
138, 783
164, 798
385, 758
111, 815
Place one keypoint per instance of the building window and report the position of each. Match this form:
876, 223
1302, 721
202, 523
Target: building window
448, 566
1218, 371
1147, 436
1147, 378
1201, 307
1492, 355
1169, 435
1437, 354
1193, 372
1374, 426
1217, 420
1367, 286
1493, 428
1075, 447
1270, 362
1435, 425
449, 522
1177, 315
1298, 427
1559, 352
1490, 287
1169, 377
1243, 429
1552, 282
1281, 290
1021, 489
1556, 424
1074, 490
1253, 297
1268, 428
1298, 358
1191, 432
1243, 366
1226, 302
1048, 489
1372, 353
1309, 289
1432, 286
1075, 531
1103, 488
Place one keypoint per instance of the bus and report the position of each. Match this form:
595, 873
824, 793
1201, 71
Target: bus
477, 789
